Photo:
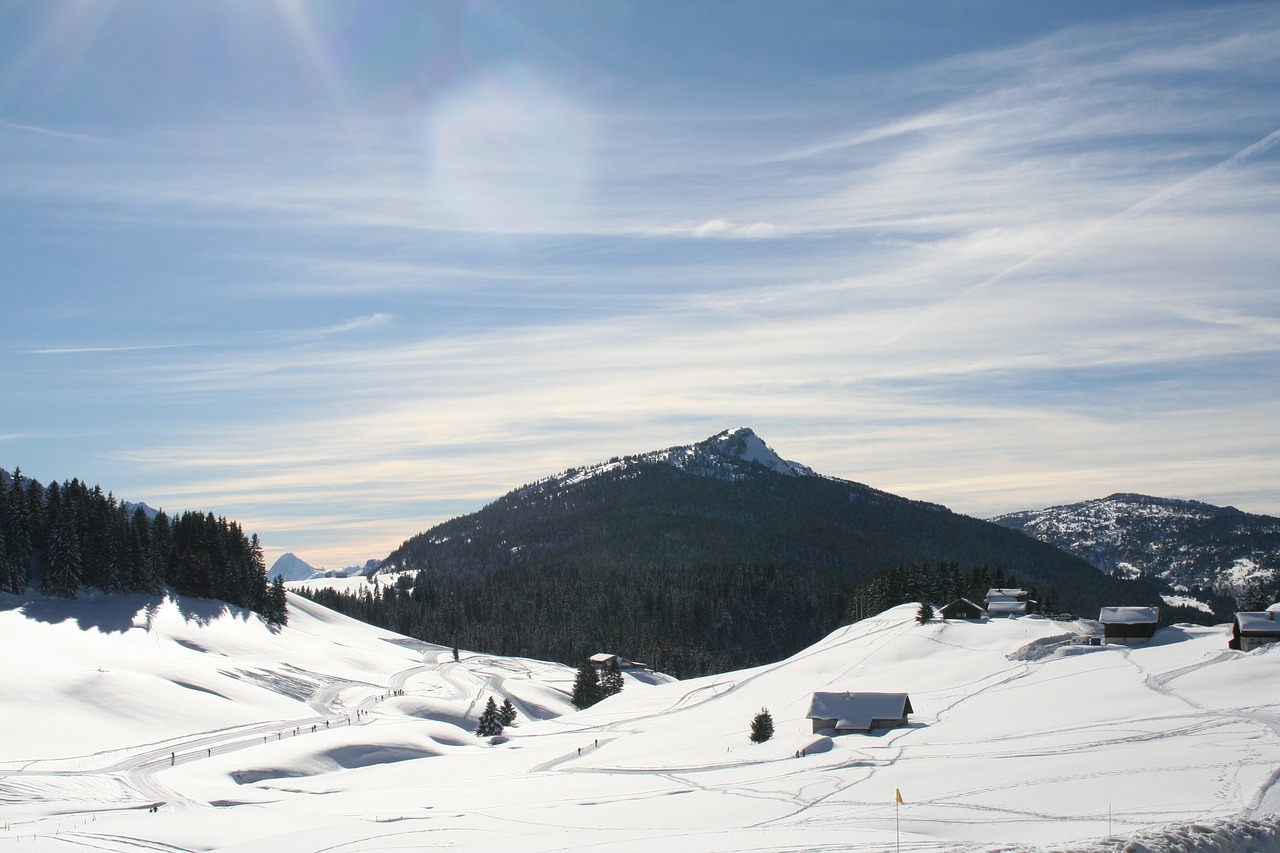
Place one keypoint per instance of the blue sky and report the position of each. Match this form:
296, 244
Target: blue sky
342, 270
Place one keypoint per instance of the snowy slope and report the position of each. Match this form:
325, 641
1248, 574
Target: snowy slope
1020, 741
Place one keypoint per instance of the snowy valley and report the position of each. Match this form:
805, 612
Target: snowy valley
328, 734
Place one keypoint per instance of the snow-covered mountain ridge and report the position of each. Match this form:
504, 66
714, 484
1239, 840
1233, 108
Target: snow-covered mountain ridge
330, 734
730, 455
1187, 545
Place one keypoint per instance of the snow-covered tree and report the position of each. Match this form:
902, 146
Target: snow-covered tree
925, 613
507, 713
490, 720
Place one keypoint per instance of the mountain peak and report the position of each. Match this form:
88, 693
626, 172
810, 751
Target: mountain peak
743, 445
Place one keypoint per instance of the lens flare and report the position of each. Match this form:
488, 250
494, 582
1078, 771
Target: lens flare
509, 153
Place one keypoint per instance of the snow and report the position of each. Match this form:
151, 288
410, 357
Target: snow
1261, 622
1186, 601
1129, 615
1019, 740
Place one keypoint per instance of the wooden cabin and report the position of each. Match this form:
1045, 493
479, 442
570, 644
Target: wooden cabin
1129, 625
1254, 629
962, 608
1008, 602
850, 713
607, 661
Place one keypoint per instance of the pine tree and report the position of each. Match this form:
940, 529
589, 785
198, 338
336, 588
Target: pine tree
507, 713
586, 686
611, 680
925, 613
62, 568
1255, 596
276, 609
490, 720
762, 726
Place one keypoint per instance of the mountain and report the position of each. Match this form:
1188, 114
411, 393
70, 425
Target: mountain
293, 568
166, 723
1191, 550
729, 499
725, 539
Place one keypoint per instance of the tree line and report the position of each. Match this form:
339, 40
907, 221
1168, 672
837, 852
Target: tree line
939, 583
67, 536
686, 621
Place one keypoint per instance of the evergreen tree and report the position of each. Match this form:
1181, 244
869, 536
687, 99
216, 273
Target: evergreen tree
586, 686
507, 713
276, 609
62, 568
925, 613
1255, 596
762, 726
611, 680
490, 720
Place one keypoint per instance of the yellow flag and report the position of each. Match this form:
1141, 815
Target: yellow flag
897, 795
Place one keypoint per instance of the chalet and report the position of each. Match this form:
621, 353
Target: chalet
1008, 602
847, 713
1254, 629
607, 661
1128, 625
962, 608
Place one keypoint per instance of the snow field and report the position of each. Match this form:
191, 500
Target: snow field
1019, 741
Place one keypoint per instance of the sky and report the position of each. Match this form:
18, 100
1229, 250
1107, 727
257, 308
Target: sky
343, 270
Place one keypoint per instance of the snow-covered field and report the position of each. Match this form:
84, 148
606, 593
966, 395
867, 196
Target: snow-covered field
331, 735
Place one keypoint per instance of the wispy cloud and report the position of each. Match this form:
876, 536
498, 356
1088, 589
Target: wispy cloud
52, 133
1009, 278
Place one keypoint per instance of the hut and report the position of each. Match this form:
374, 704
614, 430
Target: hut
962, 608
848, 713
608, 661
1128, 625
1008, 602
1254, 629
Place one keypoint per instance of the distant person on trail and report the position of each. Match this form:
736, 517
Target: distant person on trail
172, 757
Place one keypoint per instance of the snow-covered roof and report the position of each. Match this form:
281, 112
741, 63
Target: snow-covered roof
1258, 622
1006, 605
859, 710
1275, 608
961, 603
604, 658
1006, 592
1128, 615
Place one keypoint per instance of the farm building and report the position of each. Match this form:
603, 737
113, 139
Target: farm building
847, 713
1254, 629
1008, 602
962, 608
1129, 624
607, 661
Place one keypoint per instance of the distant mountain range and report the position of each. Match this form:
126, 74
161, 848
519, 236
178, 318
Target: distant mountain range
731, 500
1188, 549
291, 567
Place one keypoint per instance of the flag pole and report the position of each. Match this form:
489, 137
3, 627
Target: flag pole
897, 824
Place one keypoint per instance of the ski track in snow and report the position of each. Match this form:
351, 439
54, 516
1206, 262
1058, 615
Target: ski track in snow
837, 787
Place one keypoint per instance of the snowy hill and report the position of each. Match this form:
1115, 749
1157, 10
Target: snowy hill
1184, 545
329, 734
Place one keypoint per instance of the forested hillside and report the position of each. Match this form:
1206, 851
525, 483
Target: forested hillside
65, 537
697, 559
